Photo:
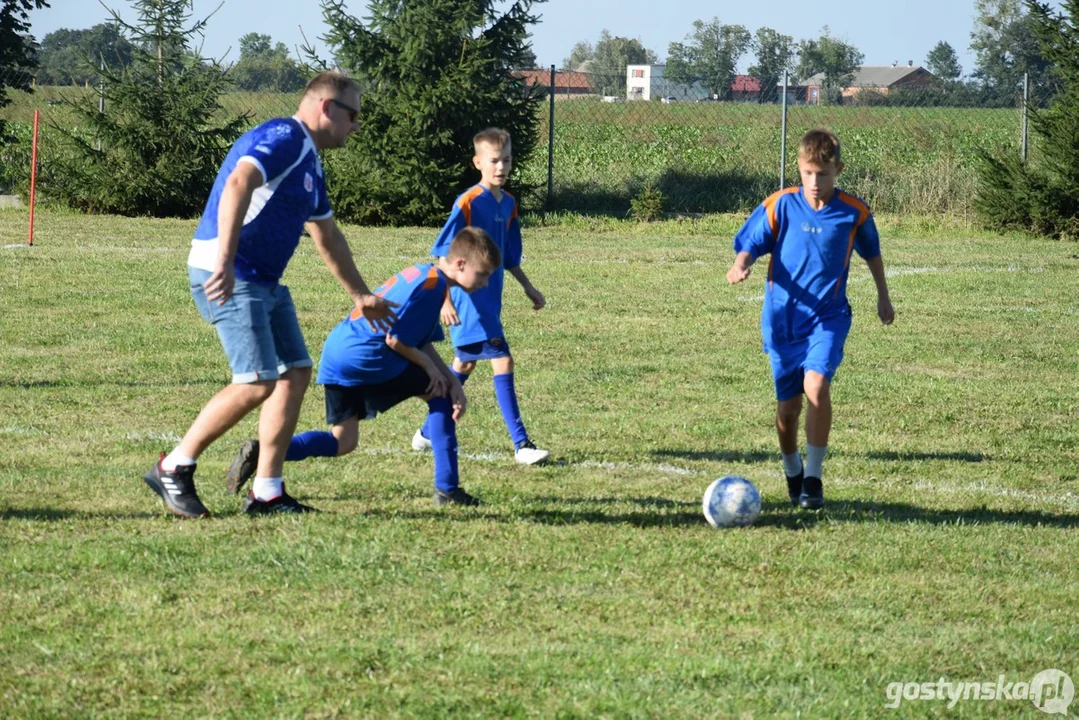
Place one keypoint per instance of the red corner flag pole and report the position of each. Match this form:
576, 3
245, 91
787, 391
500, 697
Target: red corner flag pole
33, 174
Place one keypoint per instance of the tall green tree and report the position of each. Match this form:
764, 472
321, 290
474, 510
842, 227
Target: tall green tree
1005, 47
581, 53
775, 53
18, 51
264, 65
157, 148
837, 60
708, 56
433, 73
1043, 196
607, 67
72, 57
943, 62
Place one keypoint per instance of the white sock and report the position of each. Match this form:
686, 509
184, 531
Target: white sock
792, 464
266, 489
175, 458
815, 460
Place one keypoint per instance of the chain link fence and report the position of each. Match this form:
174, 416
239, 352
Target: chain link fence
906, 150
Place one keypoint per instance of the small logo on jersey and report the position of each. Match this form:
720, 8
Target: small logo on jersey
806, 227
496, 342
308, 182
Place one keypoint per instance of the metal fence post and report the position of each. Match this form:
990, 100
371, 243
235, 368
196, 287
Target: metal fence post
550, 144
783, 137
1026, 104
101, 93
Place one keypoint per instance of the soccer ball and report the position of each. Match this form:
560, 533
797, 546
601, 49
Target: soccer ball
731, 501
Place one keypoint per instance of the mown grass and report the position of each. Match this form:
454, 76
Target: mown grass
587, 588
709, 157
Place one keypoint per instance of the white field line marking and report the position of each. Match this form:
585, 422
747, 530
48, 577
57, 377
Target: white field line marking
1067, 500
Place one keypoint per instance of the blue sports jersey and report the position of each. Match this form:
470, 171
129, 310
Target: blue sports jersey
354, 354
481, 311
293, 192
810, 258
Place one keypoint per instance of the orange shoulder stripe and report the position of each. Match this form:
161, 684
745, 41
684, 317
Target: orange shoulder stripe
770, 203
432, 278
863, 215
465, 203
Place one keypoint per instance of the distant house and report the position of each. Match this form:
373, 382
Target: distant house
746, 88
565, 83
879, 78
646, 82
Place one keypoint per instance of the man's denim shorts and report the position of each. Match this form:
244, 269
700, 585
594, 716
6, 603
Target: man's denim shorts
257, 326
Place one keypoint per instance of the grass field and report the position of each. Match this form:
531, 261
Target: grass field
709, 157
591, 587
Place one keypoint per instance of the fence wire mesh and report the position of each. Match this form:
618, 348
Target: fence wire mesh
911, 150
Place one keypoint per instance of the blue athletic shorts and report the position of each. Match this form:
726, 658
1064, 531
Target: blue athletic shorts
366, 401
257, 326
486, 350
821, 352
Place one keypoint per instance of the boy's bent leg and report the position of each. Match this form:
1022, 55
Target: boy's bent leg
787, 414
443, 431
818, 427
421, 439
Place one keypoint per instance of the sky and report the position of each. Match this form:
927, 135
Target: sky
885, 32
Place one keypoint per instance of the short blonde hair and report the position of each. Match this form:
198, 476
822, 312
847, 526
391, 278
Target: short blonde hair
473, 243
333, 83
495, 137
820, 146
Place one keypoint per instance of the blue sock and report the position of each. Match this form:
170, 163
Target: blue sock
443, 436
460, 376
313, 443
511, 413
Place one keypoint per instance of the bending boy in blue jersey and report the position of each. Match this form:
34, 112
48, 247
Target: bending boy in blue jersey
367, 372
476, 320
270, 187
810, 233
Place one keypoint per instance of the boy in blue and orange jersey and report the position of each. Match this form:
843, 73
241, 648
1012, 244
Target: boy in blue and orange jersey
475, 319
367, 372
810, 232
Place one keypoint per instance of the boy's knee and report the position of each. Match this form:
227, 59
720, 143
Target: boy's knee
345, 445
464, 367
789, 410
259, 391
817, 387
502, 365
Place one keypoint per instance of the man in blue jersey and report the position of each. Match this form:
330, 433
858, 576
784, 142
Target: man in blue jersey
476, 320
270, 187
810, 233
367, 372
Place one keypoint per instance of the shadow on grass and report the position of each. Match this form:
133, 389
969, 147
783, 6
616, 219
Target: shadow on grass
752, 456
773, 514
56, 515
893, 456
80, 383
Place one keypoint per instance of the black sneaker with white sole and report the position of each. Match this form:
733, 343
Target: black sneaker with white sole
812, 496
177, 489
457, 496
243, 467
282, 504
794, 487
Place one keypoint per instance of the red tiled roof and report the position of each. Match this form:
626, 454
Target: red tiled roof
561, 79
746, 83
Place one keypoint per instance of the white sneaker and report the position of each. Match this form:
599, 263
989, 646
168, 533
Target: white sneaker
529, 454
420, 443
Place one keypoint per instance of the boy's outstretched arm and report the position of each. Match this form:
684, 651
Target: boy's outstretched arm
884, 303
740, 269
538, 301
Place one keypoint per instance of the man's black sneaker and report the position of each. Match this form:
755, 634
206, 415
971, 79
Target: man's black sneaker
177, 489
794, 487
457, 496
812, 496
243, 467
283, 503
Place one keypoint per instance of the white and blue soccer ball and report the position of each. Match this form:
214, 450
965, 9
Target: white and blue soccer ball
731, 501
